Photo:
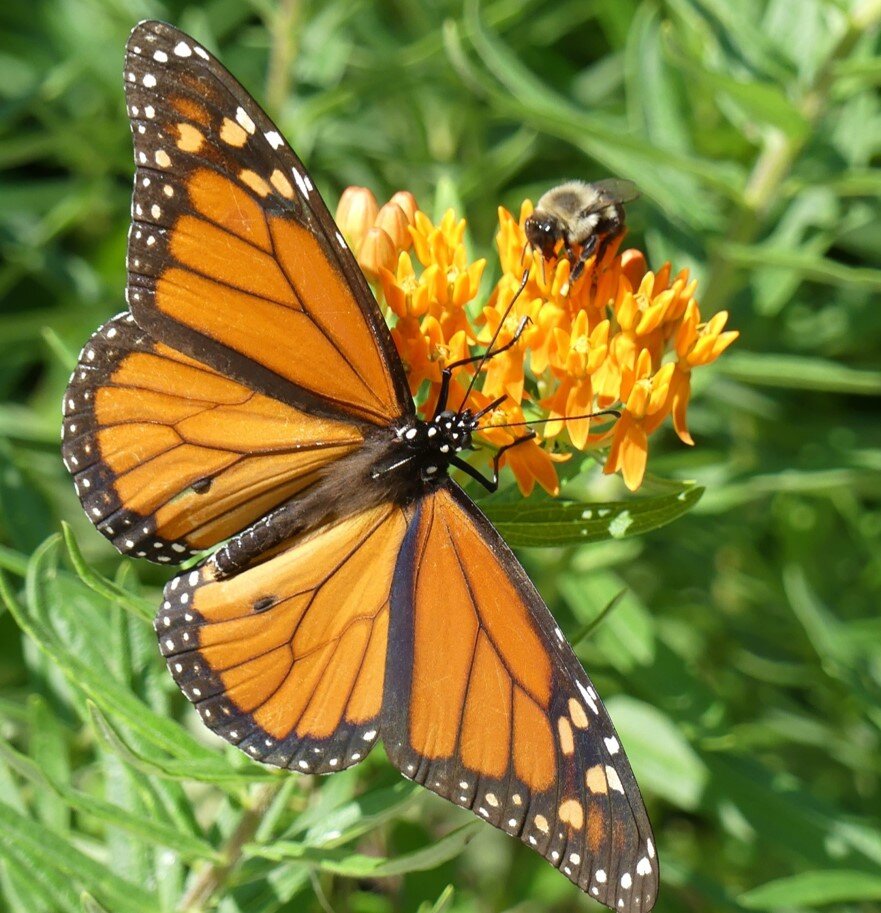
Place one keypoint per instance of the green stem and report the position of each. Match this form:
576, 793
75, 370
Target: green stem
776, 160
214, 877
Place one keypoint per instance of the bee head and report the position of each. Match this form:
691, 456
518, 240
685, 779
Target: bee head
543, 231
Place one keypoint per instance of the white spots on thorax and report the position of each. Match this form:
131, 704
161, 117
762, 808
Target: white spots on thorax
613, 746
182, 49
149, 80
160, 56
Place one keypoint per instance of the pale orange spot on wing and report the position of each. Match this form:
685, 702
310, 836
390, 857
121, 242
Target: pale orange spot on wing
189, 138
579, 717
564, 729
233, 134
572, 813
281, 184
255, 182
595, 780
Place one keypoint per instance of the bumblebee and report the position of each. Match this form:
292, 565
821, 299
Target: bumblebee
579, 214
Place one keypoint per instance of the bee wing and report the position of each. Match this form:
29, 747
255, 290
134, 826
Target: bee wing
614, 189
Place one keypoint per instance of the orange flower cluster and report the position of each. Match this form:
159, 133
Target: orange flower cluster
620, 337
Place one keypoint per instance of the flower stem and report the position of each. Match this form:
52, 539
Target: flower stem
282, 29
213, 877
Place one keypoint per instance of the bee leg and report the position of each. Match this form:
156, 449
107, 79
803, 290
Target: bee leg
583, 257
606, 241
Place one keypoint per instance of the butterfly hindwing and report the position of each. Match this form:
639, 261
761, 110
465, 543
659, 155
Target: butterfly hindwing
170, 457
287, 658
233, 257
487, 705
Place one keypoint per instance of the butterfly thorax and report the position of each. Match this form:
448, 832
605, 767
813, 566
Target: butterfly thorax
430, 447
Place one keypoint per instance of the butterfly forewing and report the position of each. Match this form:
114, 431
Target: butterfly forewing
233, 257
515, 732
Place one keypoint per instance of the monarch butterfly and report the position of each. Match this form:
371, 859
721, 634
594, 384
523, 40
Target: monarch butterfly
252, 396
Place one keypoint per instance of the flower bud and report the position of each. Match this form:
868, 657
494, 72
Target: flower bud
377, 251
356, 214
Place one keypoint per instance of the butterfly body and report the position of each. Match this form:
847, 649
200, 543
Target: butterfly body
251, 402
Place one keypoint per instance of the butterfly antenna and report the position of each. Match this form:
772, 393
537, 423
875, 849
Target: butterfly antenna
489, 349
543, 421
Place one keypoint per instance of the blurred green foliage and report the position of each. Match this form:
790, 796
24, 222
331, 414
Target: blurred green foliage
742, 661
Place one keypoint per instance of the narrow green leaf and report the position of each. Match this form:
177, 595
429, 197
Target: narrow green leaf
799, 373
814, 889
359, 866
143, 608
663, 760
148, 829
59, 854
211, 770
561, 523
814, 268
108, 694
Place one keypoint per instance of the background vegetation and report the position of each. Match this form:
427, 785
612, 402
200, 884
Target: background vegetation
742, 664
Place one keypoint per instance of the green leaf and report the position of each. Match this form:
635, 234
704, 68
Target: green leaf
814, 889
143, 608
93, 682
663, 760
212, 769
561, 523
359, 866
800, 373
150, 830
59, 855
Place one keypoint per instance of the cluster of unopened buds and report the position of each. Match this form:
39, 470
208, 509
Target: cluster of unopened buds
620, 339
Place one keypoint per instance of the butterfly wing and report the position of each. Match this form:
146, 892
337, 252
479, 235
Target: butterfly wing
487, 705
254, 353
286, 659
233, 257
169, 456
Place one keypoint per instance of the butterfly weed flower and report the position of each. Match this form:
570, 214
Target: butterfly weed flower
620, 337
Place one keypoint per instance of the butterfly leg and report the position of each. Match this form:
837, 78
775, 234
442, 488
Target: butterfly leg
447, 372
492, 484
